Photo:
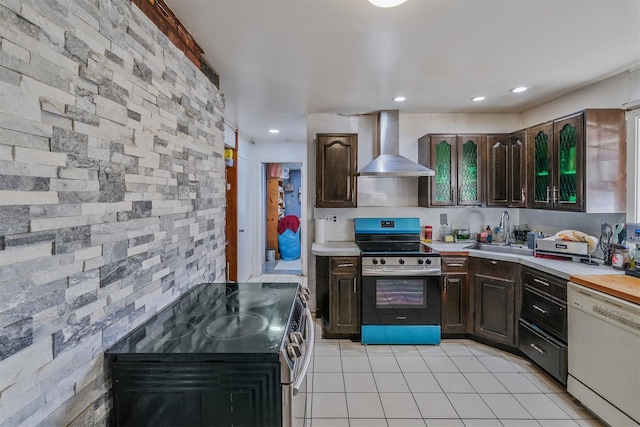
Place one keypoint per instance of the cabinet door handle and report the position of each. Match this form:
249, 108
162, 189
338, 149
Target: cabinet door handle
354, 285
541, 310
346, 265
538, 349
555, 194
548, 194
454, 265
445, 285
542, 282
523, 195
494, 262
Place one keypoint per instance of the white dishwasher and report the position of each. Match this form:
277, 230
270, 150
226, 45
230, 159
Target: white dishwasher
604, 355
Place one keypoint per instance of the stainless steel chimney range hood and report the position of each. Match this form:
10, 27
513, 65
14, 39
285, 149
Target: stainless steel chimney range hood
390, 163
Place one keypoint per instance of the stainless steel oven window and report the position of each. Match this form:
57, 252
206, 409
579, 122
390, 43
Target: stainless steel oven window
400, 293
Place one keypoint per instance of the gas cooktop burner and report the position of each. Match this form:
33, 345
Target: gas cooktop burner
250, 298
173, 331
234, 326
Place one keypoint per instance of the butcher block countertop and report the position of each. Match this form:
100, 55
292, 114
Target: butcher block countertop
621, 286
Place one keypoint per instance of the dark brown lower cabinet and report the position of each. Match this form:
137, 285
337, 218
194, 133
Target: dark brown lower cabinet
343, 317
455, 295
495, 291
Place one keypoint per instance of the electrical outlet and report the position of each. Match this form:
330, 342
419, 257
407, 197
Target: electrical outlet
331, 218
443, 219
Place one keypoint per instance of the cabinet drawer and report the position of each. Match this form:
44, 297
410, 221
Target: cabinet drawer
544, 350
345, 265
547, 312
545, 283
494, 268
454, 264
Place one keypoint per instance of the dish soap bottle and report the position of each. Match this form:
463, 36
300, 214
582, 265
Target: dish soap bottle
489, 237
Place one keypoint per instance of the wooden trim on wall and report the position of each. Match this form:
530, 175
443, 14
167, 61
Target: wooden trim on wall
231, 217
167, 22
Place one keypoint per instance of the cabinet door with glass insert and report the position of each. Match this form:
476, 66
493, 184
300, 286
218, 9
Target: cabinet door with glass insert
568, 191
540, 152
443, 162
469, 191
498, 170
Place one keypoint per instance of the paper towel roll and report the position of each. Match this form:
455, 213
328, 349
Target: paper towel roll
318, 235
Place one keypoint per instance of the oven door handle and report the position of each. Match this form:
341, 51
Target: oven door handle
403, 272
308, 353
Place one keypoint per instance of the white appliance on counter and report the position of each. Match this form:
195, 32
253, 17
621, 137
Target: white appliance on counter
604, 355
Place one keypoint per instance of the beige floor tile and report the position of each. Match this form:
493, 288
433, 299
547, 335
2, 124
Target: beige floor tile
497, 364
435, 405
559, 423
544, 382
440, 364
406, 422
541, 407
412, 363
364, 405
453, 348
480, 422
327, 364
571, 406
368, 422
506, 406
361, 382
470, 405
468, 364
348, 348
328, 382
423, 383
330, 422
399, 405
430, 350
507, 422
329, 405
444, 422
406, 350
378, 349
453, 382
384, 363
485, 382
516, 382
356, 364
390, 382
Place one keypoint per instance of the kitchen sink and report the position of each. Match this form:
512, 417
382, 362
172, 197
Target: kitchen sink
501, 248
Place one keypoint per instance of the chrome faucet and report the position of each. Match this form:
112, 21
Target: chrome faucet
505, 226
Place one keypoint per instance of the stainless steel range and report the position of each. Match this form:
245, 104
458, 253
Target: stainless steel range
233, 354
400, 283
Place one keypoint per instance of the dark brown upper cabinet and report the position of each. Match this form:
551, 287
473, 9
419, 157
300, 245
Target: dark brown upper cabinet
336, 170
507, 170
458, 162
579, 162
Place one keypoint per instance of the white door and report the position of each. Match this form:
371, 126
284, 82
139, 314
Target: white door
244, 222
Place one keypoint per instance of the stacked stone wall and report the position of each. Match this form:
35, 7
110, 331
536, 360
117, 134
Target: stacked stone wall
112, 196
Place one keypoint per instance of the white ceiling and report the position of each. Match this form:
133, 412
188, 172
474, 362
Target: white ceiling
279, 60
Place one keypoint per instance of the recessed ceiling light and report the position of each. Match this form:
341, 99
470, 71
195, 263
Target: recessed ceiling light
478, 98
274, 131
386, 3
519, 89
399, 98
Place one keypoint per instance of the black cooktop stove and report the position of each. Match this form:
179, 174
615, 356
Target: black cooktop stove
378, 248
219, 318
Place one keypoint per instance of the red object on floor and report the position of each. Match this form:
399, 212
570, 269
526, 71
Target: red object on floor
291, 222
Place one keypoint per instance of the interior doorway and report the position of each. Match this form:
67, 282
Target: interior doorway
284, 195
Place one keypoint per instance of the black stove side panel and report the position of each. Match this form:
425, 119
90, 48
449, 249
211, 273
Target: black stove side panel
196, 394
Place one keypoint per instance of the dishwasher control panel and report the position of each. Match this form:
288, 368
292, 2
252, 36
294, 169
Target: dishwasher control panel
617, 316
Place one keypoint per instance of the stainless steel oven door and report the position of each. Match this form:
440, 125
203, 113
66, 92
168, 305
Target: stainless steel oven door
296, 399
401, 300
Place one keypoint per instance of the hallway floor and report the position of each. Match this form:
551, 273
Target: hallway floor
455, 384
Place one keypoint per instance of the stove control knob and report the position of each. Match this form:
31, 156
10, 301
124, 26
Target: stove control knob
294, 351
296, 337
428, 261
374, 261
383, 261
401, 261
420, 261
304, 294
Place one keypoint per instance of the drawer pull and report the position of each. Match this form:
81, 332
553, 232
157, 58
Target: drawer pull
541, 310
538, 349
542, 282
346, 265
401, 317
455, 265
494, 262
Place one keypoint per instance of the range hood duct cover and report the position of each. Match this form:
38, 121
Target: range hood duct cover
390, 163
